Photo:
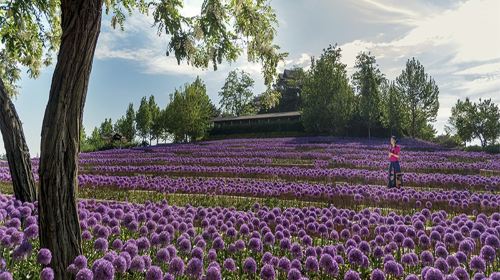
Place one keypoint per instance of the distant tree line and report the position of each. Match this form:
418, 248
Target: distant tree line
187, 117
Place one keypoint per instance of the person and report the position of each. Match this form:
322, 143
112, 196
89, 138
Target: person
394, 167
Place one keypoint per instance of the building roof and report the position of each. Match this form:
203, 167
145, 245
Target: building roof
259, 116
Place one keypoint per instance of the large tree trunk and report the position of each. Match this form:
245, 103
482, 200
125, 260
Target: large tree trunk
58, 216
16, 149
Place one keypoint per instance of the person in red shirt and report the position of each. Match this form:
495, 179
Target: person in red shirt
394, 167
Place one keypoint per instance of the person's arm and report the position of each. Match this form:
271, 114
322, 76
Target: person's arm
396, 152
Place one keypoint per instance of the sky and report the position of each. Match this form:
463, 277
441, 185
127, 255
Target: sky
457, 41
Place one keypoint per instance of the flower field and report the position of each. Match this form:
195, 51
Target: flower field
285, 208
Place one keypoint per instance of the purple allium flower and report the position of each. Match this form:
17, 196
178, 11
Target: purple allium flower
355, 256
103, 270
255, 244
267, 272
442, 265
80, 262
154, 273
312, 264
177, 266
411, 277
163, 255
31, 231
249, 266
294, 274
479, 276
101, 244
213, 273
47, 274
84, 274
488, 253
120, 264
5, 275
427, 258
218, 244
434, 274
377, 274
194, 268
117, 244
44, 256
168, 276
461, 273
229, 265
391, 267
284, 264
477, 264
495, 276
328, 265
137, 264
351, 275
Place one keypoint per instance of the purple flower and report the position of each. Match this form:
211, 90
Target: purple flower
137, 264
5, 275
377, 274
177, 266
351, 275
249, 266
229, 265
163, 255
434, 274
80, 262
391, 267
294, 274
488, 253
328, 265
47, 274
267, 272
101, 244
213, 273
84, 274
311, 264
477, 264
154, 273
120, 264
44, 256
103, 270
461, 273
194, 268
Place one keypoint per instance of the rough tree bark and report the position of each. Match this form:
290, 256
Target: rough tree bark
17, 151
58, 216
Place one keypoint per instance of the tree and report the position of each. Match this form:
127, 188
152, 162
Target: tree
23, 44
219, 33
143, 119
95, 140
126, 124
155, 129
470, 121
420, 93
367, 80
236, 93
394, 109
106, 128
327, 99
190, 112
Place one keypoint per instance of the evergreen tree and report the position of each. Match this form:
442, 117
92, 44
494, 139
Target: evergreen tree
143, 119
155, 128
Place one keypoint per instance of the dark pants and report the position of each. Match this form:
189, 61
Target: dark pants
395, 168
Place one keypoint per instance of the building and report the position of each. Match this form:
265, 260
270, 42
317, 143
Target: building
272, 122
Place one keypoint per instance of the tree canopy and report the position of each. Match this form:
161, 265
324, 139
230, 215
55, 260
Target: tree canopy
236, 93
327, 97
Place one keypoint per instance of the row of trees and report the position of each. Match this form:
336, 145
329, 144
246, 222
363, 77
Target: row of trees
330, 104
187, 116
33, 30
471, 120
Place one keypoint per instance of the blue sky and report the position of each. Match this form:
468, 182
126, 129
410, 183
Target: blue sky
457, 41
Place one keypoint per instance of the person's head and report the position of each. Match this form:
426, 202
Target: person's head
394, 141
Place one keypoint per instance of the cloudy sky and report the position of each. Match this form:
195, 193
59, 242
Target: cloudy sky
458, 42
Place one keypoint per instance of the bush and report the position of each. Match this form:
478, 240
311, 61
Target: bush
491, 149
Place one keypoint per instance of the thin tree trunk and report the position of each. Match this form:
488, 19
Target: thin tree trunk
58, 216
17, 151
